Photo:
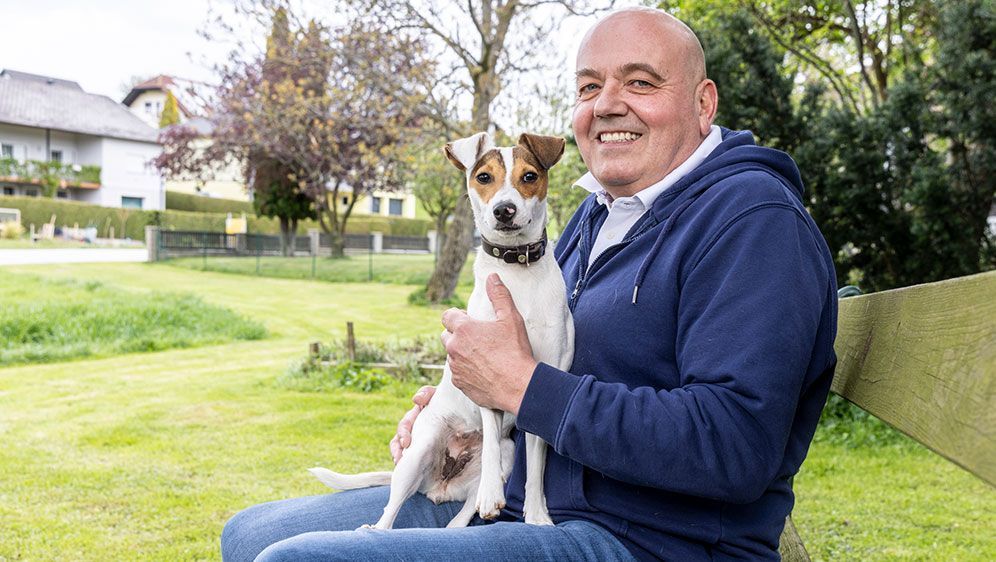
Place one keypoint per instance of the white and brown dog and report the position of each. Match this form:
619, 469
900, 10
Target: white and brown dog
460, 451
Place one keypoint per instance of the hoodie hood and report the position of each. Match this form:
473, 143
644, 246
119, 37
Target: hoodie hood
735, 155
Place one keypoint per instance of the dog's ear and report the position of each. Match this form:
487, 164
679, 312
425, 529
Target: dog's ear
464, 153
547, 150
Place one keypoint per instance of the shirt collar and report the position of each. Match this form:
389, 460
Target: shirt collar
649, 194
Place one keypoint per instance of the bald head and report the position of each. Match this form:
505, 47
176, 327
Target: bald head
668, 28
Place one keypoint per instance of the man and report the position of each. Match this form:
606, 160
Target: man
704, 304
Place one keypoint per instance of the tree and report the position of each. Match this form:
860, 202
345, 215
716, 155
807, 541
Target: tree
479, 41
326, 109
437, 185
171, 113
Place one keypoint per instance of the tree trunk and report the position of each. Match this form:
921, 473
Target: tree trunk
292, 238
460, 235
284, 235
459, 240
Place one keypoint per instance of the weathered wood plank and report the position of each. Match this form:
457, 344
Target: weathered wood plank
923, 359
790, 545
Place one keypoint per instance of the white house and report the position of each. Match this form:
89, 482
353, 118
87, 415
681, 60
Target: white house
98, 151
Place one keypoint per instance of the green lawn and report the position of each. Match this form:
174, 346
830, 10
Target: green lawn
44, 320
404, 269
144, 456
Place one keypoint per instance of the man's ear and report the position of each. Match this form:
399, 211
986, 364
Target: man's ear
463, 153
547, 150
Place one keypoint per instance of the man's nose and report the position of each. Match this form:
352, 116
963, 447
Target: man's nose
610, 101
505, 212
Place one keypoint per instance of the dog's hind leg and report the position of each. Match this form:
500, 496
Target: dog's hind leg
412, 470
534, 505
462, 519
491, 494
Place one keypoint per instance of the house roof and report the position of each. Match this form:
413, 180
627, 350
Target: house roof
162, 83
32, 100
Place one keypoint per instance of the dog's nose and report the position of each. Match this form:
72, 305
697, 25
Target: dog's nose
505, 212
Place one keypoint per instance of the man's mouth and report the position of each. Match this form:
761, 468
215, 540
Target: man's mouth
618, 136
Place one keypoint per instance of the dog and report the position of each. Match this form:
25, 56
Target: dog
460, 451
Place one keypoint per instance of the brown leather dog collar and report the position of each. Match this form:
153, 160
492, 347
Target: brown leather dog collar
524, 254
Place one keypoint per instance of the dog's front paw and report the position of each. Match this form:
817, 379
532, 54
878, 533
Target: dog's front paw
490, 503
541, 518
536, 513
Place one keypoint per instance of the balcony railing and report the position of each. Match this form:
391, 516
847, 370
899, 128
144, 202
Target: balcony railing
50, 174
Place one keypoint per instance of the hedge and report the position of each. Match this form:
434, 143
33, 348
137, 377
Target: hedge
176, 201
131, 223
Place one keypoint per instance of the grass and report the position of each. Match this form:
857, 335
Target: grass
144, 457
402, 269
49, 320
25, 244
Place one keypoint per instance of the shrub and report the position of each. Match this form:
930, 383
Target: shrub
11, 230
131, 223
177, 201
843, 423
314, 375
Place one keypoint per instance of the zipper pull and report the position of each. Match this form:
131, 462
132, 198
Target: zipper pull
577, 286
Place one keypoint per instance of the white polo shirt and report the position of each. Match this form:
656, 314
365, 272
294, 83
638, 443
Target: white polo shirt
625, 211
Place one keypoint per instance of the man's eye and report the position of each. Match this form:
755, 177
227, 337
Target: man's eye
641, 83
587, 88
484, 177
529, 177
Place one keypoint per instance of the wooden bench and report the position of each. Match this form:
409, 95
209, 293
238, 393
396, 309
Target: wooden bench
923, 360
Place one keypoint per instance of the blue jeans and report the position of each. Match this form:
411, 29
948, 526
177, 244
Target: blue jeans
322, 528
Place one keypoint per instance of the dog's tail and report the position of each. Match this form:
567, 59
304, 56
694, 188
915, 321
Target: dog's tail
338, 481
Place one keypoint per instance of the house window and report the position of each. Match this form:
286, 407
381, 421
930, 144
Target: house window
395, 207
6, 151
31, 193
345, 201
62, 194
56, 156
131, 202
375, 205
8, 191
148, 107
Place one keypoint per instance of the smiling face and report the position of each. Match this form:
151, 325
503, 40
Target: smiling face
643, 102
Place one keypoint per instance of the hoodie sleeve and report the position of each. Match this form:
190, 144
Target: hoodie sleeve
748, 315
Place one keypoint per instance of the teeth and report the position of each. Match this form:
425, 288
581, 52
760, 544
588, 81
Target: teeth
618, 137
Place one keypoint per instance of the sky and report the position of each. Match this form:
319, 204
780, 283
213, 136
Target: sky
105, 44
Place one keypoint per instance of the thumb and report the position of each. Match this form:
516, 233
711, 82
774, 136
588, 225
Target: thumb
500, 298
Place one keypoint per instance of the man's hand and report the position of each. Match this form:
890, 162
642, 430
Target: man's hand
403, 438
491, 362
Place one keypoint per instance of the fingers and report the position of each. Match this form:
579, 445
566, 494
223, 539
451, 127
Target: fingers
501, 299
403, 438
453, 318
423, 395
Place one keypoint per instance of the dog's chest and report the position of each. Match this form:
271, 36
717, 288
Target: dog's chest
539, 296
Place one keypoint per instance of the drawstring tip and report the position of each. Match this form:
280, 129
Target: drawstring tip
636, 289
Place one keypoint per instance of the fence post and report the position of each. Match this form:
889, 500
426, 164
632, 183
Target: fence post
350, 342
377, 242
151, 242
315, 240
433, 237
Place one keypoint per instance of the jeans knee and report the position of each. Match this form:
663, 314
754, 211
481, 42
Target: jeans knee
237, 538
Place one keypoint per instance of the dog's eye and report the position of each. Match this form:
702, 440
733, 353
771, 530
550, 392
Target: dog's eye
484, 177
530, 177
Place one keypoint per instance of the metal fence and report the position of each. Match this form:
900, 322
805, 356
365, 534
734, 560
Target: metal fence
175, 243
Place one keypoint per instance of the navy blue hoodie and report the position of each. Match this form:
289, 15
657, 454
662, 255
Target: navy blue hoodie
703, 357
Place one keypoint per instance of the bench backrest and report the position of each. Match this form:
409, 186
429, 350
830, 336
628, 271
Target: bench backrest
923, 360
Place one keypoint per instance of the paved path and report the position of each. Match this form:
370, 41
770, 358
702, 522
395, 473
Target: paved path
72, 255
